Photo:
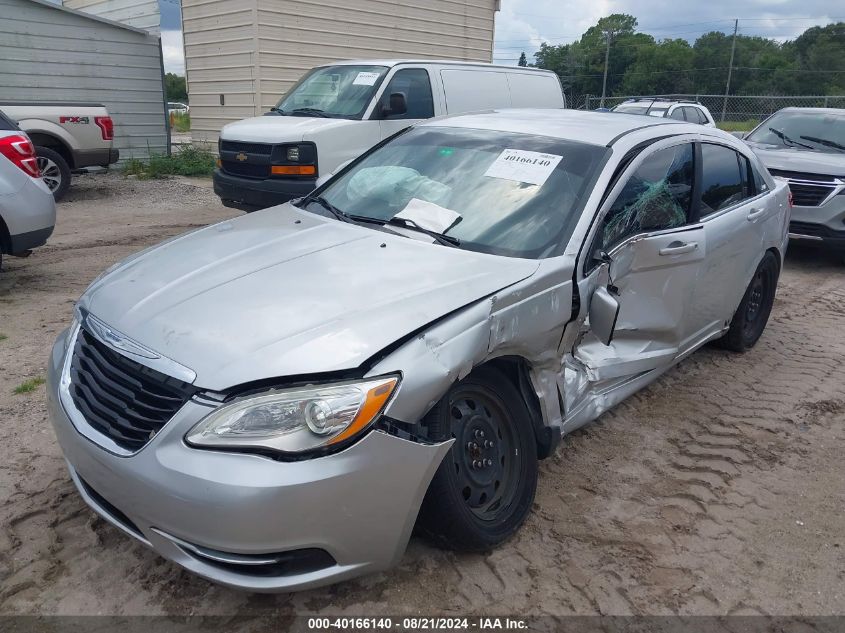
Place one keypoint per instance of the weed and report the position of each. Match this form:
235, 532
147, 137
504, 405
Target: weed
29, 385
187, 161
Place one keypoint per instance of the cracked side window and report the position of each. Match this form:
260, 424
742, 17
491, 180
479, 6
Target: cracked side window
657, 197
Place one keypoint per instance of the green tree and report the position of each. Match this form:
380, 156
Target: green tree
663, 68
175, 88
523, 60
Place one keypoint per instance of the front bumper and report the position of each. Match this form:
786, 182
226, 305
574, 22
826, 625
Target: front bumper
224, 515
822, 226
251, 194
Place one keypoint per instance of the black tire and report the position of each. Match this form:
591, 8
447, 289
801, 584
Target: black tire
469, 507
54, 171
753, 312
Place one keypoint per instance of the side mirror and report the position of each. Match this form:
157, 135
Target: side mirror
398, 105
604, 310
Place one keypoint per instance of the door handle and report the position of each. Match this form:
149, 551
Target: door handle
678, 248
755, 213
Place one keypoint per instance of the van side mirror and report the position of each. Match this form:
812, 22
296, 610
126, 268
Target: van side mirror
604, 310
398, 105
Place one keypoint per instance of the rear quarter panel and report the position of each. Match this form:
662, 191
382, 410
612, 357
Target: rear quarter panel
72, 124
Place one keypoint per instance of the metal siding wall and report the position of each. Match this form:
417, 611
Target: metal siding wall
220, 58
80, 59
252, 52
142, 14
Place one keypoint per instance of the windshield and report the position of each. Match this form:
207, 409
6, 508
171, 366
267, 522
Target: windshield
509, 194
821, 131
632, 109
334, 91
641, 108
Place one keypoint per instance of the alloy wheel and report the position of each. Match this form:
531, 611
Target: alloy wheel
50, 173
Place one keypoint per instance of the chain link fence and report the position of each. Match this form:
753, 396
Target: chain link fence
738, 108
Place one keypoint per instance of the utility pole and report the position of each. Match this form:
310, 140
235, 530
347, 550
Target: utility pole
730, 71
606, 60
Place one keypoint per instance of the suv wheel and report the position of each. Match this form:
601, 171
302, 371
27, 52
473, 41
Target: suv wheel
55, 172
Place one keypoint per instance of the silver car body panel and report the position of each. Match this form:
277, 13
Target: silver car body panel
285, 295
359, 505
26, 204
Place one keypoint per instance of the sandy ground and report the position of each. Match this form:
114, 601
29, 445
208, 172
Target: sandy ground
718, 490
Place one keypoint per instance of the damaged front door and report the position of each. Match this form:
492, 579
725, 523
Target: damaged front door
647, 254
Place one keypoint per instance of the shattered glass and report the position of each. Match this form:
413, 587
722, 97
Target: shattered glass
656, 197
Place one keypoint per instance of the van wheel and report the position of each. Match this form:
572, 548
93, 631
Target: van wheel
55, 172
753, 312
483, 490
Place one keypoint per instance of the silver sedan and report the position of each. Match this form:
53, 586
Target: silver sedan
275, 401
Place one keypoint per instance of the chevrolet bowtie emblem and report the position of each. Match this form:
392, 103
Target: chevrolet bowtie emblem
241, 157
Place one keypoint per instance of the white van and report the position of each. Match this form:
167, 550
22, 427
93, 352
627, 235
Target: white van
338, 111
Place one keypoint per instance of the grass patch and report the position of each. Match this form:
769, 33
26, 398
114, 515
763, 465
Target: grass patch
181, 122
738, 126
29, 386
187, 161
3, 337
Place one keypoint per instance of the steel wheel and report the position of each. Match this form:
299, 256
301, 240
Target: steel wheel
751, 316
484, 487
50, 173
485, 460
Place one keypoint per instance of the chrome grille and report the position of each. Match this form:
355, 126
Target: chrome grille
805, 194
122, 399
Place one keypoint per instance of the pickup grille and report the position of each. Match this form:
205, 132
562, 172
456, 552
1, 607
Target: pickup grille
124, 400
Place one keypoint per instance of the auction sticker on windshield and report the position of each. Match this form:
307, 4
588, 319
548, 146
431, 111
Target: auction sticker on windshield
523, 166
365, 78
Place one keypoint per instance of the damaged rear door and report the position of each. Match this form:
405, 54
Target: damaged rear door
645, 254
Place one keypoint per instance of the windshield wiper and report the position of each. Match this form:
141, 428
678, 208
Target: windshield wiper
825, 142
783, 137
313, 111
440, 238
328, 206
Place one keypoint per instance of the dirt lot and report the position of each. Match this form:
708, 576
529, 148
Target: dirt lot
719, 490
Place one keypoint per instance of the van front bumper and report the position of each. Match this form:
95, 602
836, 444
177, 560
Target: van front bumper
252, 194
243, 520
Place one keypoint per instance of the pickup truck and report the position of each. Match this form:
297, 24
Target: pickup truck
68, 137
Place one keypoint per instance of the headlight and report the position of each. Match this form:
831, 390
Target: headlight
296, 420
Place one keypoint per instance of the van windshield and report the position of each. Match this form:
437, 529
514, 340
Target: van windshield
517, 195
333, 91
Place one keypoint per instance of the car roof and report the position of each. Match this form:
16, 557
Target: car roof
816, 110
438, 62
659, 103
597, 128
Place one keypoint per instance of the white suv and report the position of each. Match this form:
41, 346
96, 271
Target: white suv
690, 111
27, 208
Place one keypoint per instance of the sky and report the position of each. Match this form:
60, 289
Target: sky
522, 25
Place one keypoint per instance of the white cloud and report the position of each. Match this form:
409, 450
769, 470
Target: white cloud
523, 24
173, 52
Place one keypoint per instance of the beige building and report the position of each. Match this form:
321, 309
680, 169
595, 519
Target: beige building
241, 56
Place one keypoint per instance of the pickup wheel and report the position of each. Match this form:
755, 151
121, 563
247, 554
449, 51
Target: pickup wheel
484, 487
55, 172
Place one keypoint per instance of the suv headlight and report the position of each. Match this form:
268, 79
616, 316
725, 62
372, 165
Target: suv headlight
298, 420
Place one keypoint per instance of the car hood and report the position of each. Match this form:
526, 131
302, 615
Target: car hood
283, 292
281, 129
800, 160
